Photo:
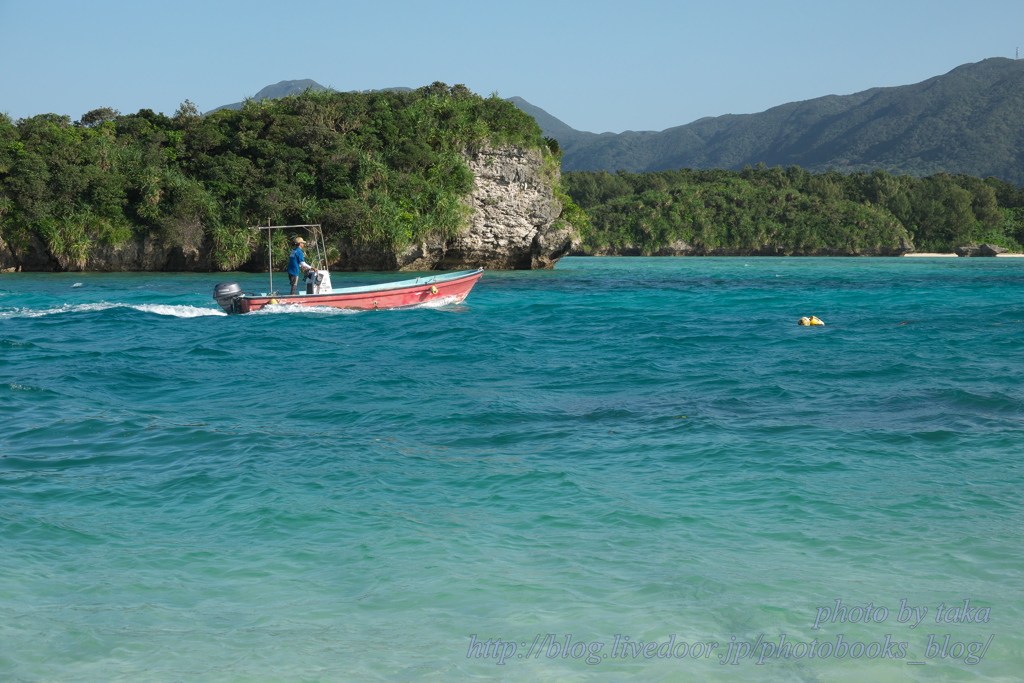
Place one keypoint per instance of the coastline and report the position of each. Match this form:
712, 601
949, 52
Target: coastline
934, 255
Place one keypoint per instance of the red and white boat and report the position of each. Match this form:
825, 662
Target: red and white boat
441, 289
448, 288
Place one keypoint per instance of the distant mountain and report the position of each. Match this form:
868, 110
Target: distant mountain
970, 120
286, 88
552, 127
278, 90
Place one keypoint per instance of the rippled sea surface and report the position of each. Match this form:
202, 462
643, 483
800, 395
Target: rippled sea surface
573, 462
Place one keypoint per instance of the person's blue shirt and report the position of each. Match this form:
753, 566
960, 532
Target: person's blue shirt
297, 257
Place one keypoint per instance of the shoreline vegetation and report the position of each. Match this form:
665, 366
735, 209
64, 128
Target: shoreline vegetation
382, 172
388, 171
761, 211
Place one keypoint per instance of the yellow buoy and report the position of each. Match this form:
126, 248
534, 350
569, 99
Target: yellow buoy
813, 320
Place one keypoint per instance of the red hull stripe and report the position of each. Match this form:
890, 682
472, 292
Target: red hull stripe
456, 290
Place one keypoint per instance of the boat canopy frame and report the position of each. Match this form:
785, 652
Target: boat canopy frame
316, 238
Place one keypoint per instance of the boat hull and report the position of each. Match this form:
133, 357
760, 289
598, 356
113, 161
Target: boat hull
443, 289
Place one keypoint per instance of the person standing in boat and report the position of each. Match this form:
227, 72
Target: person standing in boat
296, 264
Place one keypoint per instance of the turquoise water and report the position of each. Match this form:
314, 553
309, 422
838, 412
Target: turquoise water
643, 448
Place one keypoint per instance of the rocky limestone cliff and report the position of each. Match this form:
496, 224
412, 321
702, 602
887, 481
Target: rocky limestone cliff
514, 224
146, 254
8, 264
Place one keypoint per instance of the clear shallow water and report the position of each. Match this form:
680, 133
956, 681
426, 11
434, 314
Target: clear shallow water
641, 447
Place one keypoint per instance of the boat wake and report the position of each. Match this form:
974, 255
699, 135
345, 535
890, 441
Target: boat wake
177, 311
158, 309
439, 302
278, 309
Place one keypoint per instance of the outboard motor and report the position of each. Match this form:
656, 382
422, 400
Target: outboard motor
226, 293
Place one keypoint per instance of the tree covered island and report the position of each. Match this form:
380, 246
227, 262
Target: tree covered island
382, 172
397, 180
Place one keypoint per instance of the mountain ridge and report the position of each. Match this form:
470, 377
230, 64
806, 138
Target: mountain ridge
286, 88
969, 120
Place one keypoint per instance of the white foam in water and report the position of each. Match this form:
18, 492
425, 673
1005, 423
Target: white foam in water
78, 284
277, 309
178, 311
438, 303
198, 312
66, 308
159, 309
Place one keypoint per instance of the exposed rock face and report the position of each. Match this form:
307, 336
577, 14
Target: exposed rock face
515, 219
514, 224
8, 263
992, 250
147, 254
26, 252
982, 250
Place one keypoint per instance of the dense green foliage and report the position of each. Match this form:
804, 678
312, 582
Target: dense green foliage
377, 169
968, 121
793, 211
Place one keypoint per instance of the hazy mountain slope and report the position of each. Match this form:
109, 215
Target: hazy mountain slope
567, 136
286, 88
970, 120
278, 90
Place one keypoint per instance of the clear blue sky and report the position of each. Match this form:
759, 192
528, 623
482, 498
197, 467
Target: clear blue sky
596, 65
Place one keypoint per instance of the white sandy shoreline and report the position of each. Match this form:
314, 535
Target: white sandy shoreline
955, 256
